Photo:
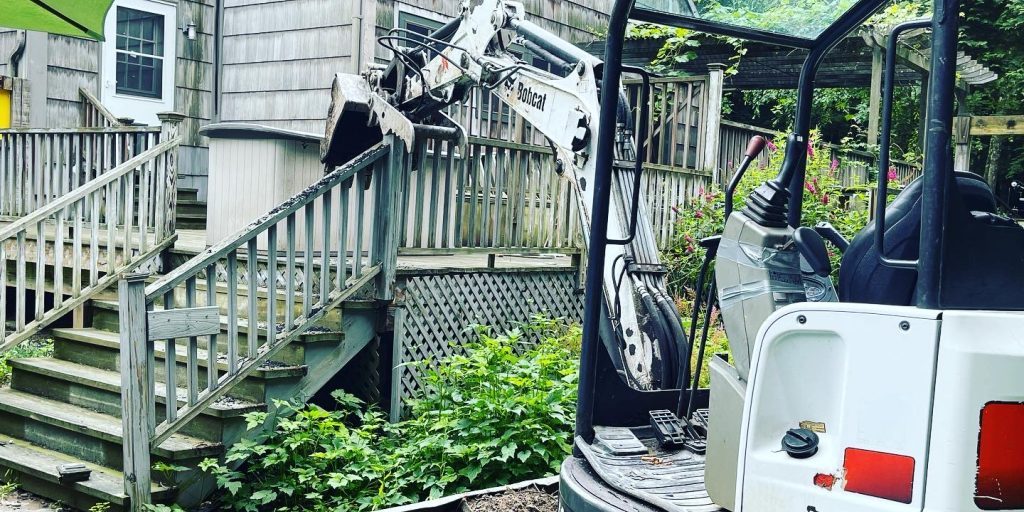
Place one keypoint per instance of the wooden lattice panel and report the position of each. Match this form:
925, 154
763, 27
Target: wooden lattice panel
436, 314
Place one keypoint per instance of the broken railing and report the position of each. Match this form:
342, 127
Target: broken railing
40, 166
96, 231
305, 257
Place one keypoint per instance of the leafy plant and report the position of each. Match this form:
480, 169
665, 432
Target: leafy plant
100, 507
33, 348
7, 488
501, 412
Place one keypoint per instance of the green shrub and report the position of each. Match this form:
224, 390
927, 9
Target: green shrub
503, 412
31, 348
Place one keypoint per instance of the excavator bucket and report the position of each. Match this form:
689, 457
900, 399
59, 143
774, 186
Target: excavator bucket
349, 128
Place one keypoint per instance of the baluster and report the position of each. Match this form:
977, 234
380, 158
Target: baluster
357, 262
289, 309
232, 312
58, 259
129, 209
421, 178
346, 189
171, 367
435, 186
325, 252
192, 365
76, 261
499, 190
161, 212
40, 269
253, 335
307, 272
113, 192
272, 284
211, 348
448, 196
460, 192
19, 296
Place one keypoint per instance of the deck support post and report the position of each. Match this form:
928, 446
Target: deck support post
137, 399
713, 120
388, 217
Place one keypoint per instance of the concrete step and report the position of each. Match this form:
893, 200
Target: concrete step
101, 349
86, 434
34, 469
100, 390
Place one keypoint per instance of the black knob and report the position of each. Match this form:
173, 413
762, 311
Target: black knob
800, 443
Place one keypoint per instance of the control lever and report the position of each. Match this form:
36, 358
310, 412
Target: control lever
754, 148
830, 233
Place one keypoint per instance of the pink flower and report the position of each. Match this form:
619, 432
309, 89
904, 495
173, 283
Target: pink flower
771, 145
729, 163
810, 149
675, 209
709, 197
824, 199
700, 191
810, 188
892, 173
689, 248
699, 214
834, 165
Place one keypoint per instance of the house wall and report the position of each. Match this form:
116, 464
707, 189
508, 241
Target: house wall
8, 43
72, 63
194, 90
279, 58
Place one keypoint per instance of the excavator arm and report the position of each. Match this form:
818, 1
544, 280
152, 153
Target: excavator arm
644, 335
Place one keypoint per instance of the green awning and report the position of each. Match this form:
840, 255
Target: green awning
79, 18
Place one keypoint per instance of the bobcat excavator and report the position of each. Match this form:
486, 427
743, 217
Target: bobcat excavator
901, 389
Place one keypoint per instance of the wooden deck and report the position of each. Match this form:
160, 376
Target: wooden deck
191, 242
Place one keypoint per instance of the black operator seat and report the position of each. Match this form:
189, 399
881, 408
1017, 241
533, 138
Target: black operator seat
862, 276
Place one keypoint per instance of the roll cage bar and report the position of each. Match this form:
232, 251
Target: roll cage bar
786, 190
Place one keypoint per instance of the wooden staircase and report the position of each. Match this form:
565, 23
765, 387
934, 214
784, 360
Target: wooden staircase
190, 212
67, 408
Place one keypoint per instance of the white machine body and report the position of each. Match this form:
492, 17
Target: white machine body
914, 410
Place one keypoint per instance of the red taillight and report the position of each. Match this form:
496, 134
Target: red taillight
879, 474
1000, 482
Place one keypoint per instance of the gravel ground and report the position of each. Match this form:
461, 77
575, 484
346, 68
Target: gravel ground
524, 500
25, 501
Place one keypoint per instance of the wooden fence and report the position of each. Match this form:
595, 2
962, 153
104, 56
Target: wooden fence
492, 197
40, 166
98, 231
855, 167
674, 135
339, 205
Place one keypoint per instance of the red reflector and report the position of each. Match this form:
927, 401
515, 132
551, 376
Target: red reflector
879, 474
1000, 482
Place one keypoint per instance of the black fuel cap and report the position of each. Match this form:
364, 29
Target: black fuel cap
800, 443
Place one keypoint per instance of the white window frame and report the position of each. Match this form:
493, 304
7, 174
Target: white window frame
142, 109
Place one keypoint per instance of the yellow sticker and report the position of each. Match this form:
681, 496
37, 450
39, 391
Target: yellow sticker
813, 426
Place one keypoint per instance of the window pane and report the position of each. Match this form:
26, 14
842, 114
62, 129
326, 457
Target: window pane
141, 33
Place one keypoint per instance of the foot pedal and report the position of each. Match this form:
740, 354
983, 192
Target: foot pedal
619, 440
702, 417
673, 433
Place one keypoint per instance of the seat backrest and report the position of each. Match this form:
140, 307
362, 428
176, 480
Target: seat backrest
862, 276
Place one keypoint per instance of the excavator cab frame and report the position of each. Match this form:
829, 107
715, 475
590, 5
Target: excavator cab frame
805, 362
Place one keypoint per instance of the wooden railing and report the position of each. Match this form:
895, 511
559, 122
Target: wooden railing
675, 137
320, 233
668, 189
490, 197
40, 166
99, 231
94, 114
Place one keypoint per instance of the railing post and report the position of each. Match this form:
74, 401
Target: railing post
389, 216
713, 120
137, 398
170, 127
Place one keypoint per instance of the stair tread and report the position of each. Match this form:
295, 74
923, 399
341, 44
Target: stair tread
111, 381
104, 483
106, 427
109, 339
